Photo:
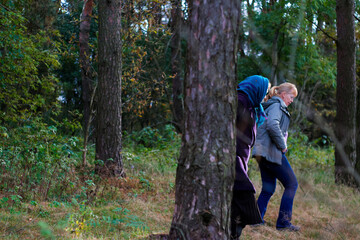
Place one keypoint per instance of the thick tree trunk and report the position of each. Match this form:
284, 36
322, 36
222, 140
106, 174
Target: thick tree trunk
357, 162
176, 66
86, 73
205, 172
345, 153
108, 128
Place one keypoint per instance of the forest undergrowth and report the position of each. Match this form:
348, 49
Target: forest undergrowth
45, 192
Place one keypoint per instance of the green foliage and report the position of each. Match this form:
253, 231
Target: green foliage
84, 221
38, 164
295, 41
4, 202
69, 74
142, 203
46, 231
146, 75
305, 155
26, 89
150, 137
35, 161
80, 221
40, 99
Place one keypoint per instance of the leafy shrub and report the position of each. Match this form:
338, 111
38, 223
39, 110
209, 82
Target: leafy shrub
37, 163
84, 220
305, 154
28, 86
152, 137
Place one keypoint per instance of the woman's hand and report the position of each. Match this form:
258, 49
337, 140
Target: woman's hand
284, 150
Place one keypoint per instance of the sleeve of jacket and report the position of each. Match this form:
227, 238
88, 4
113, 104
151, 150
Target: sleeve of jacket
243, 119
273, 126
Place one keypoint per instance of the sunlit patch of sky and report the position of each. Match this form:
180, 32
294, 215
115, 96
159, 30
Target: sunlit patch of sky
64, 6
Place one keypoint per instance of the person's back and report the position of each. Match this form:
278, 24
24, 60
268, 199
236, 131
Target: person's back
272, 135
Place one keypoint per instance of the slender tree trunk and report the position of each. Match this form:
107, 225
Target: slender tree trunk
275, 58
86, 73
156, 9
108, 130
206, 171
345, 152
176, 66
128, 12
241, 36
251, 15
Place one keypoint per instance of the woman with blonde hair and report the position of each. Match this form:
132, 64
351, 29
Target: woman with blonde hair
269, 150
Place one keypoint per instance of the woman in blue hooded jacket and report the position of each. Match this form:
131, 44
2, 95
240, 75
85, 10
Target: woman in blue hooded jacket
269, 150
244, 210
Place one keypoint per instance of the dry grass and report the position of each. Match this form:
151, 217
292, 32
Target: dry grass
323, 209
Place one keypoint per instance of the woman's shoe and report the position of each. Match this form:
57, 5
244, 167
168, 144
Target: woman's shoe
291, 228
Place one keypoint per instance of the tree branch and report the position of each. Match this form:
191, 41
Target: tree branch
319, 28
357, 18
5, 7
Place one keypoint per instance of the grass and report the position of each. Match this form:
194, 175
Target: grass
323, 209
142, 203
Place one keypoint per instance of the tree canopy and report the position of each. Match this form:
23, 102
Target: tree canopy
284, 40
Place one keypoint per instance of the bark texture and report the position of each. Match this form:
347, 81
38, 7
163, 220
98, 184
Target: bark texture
357, 164
108, 128
205, 172
345, 129
176, 66
86, 70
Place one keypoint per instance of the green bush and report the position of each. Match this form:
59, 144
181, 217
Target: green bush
305, 154
150, 137
35, 162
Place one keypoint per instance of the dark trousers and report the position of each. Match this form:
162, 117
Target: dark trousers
284, 173
244, 211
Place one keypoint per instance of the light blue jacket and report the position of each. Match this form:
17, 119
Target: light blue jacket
271, 136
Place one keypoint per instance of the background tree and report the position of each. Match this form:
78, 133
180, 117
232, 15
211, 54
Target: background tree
41, 114
176, 65
357, 163
108, 128
70, 74
205, 172
88, 86
345, 151
357, 35
280, 40
146, 69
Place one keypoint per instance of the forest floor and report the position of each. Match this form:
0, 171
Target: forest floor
142, 204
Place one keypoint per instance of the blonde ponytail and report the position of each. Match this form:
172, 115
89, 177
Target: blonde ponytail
284, 87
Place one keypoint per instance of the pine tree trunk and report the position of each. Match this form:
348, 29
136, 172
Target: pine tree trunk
357, 163
86, 73
176, 66
345, 153
205, 172
108, 128
275, 58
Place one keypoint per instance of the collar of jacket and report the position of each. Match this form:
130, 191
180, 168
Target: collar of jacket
275, 99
